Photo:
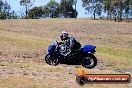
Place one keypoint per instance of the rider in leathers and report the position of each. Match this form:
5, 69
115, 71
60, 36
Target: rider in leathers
69, 42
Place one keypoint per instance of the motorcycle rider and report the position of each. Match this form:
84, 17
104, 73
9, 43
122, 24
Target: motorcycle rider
69, 42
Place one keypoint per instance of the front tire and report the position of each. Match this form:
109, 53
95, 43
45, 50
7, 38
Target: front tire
89, 61
51, 61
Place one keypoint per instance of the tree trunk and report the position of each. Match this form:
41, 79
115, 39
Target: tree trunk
120, 15
127, 12
94, 15
107, 15
110, 10
26, 11
120, 11
75, 12
110, 16
115, 18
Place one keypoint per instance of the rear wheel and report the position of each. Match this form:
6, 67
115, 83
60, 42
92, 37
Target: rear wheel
89, 61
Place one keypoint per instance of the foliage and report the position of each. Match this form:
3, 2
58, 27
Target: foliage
45, 11
93, 6
27, 4
13, 15
120, 8
2, 15
1, 4
52, 9
114, 8
128, 7
49, 10
66, 9
6, 9
35, 12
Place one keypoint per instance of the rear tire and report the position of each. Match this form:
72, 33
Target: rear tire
89, 61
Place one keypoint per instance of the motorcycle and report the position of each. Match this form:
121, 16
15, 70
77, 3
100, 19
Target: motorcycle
60, 54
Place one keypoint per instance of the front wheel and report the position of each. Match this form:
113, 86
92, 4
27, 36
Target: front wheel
51, 61
89, 61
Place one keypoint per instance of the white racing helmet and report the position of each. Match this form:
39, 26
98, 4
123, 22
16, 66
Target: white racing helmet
64, 35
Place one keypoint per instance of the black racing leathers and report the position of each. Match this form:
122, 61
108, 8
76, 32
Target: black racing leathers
71, 44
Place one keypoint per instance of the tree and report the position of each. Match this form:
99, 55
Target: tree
117, 7
2, 15
46, 11
111, 7
1, 5
27, 4
108, 8
93, 6
52, 9
13, 15
35, 12
67, 10
128, 7
6, 9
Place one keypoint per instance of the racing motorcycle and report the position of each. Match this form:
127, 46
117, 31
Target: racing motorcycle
60, 54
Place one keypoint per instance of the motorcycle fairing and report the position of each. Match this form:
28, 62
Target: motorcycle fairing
88, 48
51, 47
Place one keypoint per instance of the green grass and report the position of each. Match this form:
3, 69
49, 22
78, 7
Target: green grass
24, 40
117, 52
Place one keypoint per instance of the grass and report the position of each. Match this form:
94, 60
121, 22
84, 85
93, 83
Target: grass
113, 40
44, 76
18, 82
116, 52
17, 39
41, 76
116, 58
30, 66
23, 43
